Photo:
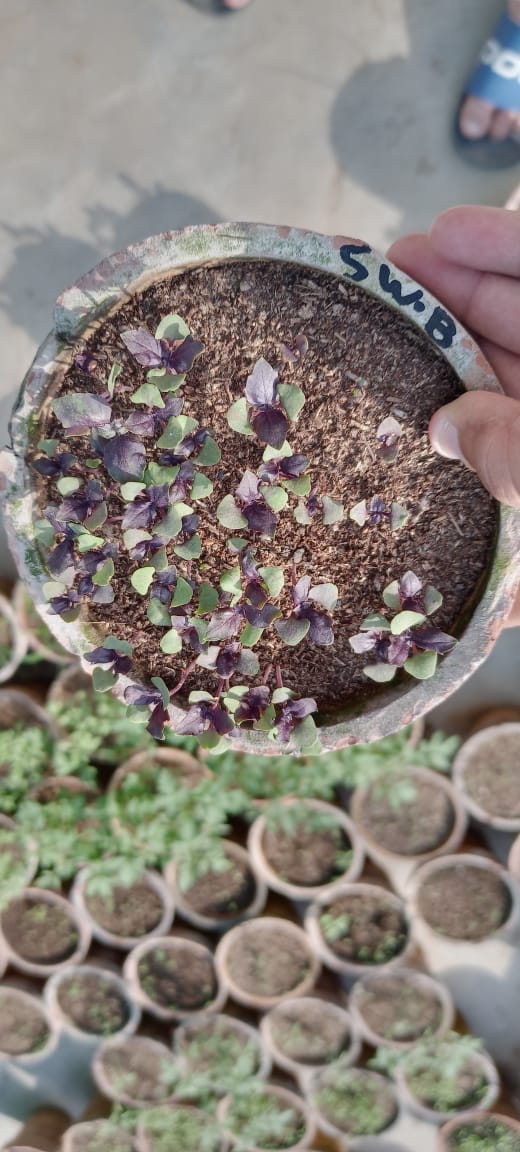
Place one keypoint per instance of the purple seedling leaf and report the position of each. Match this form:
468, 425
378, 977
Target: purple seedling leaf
124, 457
80, 411
296, 351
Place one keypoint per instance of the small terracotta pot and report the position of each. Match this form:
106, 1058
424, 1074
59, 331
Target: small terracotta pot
188, 1032
398, 866
299, 1007
154, 881
33, 968
294, 891
17, 641
514, 859
63, 1022
98, 1130
183, 767
217, 923
507, 930
289, 1100
351, 970
489, 738
170, 944
448, 1130
145, 1142
154, 1050
494, 716
42, 1131
120, 276
352, 1141
250, 934
413, 1105
29, 632
27, 1060
410, 976
49, 789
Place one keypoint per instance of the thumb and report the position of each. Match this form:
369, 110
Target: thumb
483, 430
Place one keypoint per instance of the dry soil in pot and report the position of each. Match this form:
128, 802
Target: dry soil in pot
397, 1008
480, 1133
131, 911
407, 815
491, 772
40, 933
224, 893
364, 928
93, 1003
136, 1070
268, 963
464, 902
181, 978
24, 1029
310, 854
309, 1030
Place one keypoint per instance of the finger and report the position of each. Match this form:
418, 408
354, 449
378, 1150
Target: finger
506, 366
513, 620
501, 124
483, 430
486, 303
487, 239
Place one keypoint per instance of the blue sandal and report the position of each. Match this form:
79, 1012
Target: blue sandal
495, 79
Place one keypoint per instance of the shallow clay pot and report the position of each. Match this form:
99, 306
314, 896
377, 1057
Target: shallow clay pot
17, 640
125, 943
64, 1023
251, 932
295, 891
27, 1060
289, 1100
413, 1105
342, 1139
299, 1007
421, 981
490, 738
155, 1050
145, 1143
110, 283
247, 1034
351, 970
218, 923
170, 943
399, 867
42, 971
506, 931
451, 1127
28, 631
96, 1129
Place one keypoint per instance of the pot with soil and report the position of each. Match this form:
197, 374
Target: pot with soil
351, 1104
37, 636
396, 1009
141, 774
219, 897
97, 1136
41, 933
357, 927
91, 1003
406, 817
447, 1076
304, 848
178, 1128
28, 1035
136, 1071
148, 331
120, 916
486, 772
465, 898
13, 642
263, 961
26, 743
18, 860
304, 1033
174, 977
480, 1132
259, 1117
218, 1054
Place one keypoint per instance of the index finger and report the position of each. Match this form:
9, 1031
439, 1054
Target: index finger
487, 239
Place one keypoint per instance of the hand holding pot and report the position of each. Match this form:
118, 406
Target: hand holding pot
470, 259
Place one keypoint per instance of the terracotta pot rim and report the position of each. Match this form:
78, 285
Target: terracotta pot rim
68, 1138
27, 1059
451, 1126
330, 1129
64, 1024
104, 288
292, 1099
413, 1104
31, 968
296, 1068
215, 923
351, 967
18, 641
262, 924
130, 973
473, 859
422, 979
302, 892
103, 1081
463, 760
104, 935
449, 845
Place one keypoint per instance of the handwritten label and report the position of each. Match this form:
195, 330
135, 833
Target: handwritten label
439, 325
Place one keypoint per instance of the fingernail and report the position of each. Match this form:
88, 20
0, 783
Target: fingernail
473, 129
444, 437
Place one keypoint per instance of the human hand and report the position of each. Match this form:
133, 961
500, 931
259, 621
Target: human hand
470, 260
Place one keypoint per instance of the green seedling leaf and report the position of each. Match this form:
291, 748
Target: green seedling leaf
47, 446
170, 526
86, 542
148, 394
160, 560
208, 599
183, 593
158, 614
172, 327
405, 620
235, 543
381, 673
274, 579
161, 473
102, 680
398, 516
133, 536
97, 517
301, 514
171, 642
333, 510
142, 578
158, 682
248, 665
358, 513
104, 575
44, 533
209, 454
375, 622
166, 383
191, 550
93, 462
292, 631
197, 697
113, 375
250, 636
422, 666
201, 488
326, 595
66, 485
275, 497
266, 722
53, 588
131, 489
237, 418
292, 399
300, 486
176, 429
230, 581
305, 733
432, 599
271, 453
391, 596
117, 645
229, 514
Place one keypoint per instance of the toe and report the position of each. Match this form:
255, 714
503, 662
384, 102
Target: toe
236, 3
501, 125
475, 118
